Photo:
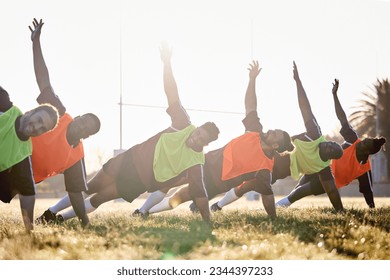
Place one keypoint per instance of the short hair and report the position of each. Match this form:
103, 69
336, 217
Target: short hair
377, 145
96, 120
2, 90
336, 153
286, 145
50, 110
212, 130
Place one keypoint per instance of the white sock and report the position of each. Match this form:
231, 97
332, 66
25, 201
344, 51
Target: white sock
284, 202
228, 198
88, 206
162, 206
153, 199
63, 204
71, 214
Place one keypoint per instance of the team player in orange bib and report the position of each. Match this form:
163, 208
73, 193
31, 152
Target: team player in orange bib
60, 151
312, 155
354, 164
247, 157
171, 157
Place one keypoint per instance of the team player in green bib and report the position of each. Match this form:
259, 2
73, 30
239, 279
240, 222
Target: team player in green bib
16, 129
170, 158
312, 155
249, 156
354, 164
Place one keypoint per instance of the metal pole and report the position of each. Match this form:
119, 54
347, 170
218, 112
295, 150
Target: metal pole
120, 80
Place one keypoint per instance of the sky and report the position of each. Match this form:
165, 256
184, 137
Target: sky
98, 51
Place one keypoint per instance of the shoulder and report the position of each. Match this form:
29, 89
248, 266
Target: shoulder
48, 96
174, 108
348, 133
252, 122
179, 117
313, 129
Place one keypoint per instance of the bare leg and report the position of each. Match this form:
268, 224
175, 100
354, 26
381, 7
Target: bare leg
78, 205
269, 204
99, 182
27, 204
104, 188
333, 194
94, 185
243, 189
202, 203
369, 197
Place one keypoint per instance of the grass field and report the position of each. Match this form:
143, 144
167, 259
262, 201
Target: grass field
309, 229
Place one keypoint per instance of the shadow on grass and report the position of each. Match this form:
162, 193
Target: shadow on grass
172, 236
174, 241
306, 225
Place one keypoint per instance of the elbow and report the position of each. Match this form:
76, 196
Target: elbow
43, 83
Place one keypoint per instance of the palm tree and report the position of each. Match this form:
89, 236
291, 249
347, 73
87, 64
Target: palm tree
372, 114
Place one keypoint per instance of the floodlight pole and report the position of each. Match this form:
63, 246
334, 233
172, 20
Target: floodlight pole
120, 83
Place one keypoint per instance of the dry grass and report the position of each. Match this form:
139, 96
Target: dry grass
307, 230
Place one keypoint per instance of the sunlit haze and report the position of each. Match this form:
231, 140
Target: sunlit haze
98, 50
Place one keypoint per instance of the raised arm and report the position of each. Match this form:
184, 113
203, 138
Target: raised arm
170, 86
250, 96
303, 102
339, 110
41, 72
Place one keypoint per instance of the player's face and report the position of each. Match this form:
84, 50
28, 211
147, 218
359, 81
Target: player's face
198, 139
366, 146
83, 126
274, 137
35, 123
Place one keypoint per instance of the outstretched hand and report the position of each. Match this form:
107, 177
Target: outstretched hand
36, 32
335, 86
295, 71
254, 69
165, 52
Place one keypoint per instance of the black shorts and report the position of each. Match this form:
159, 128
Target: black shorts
75, 177
17, 180
315, 183
211, 188
128, 183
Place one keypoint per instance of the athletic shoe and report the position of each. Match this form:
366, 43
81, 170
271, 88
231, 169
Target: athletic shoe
215, 207
59, 219
138, 213
46, 217
193, 208
284, 202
